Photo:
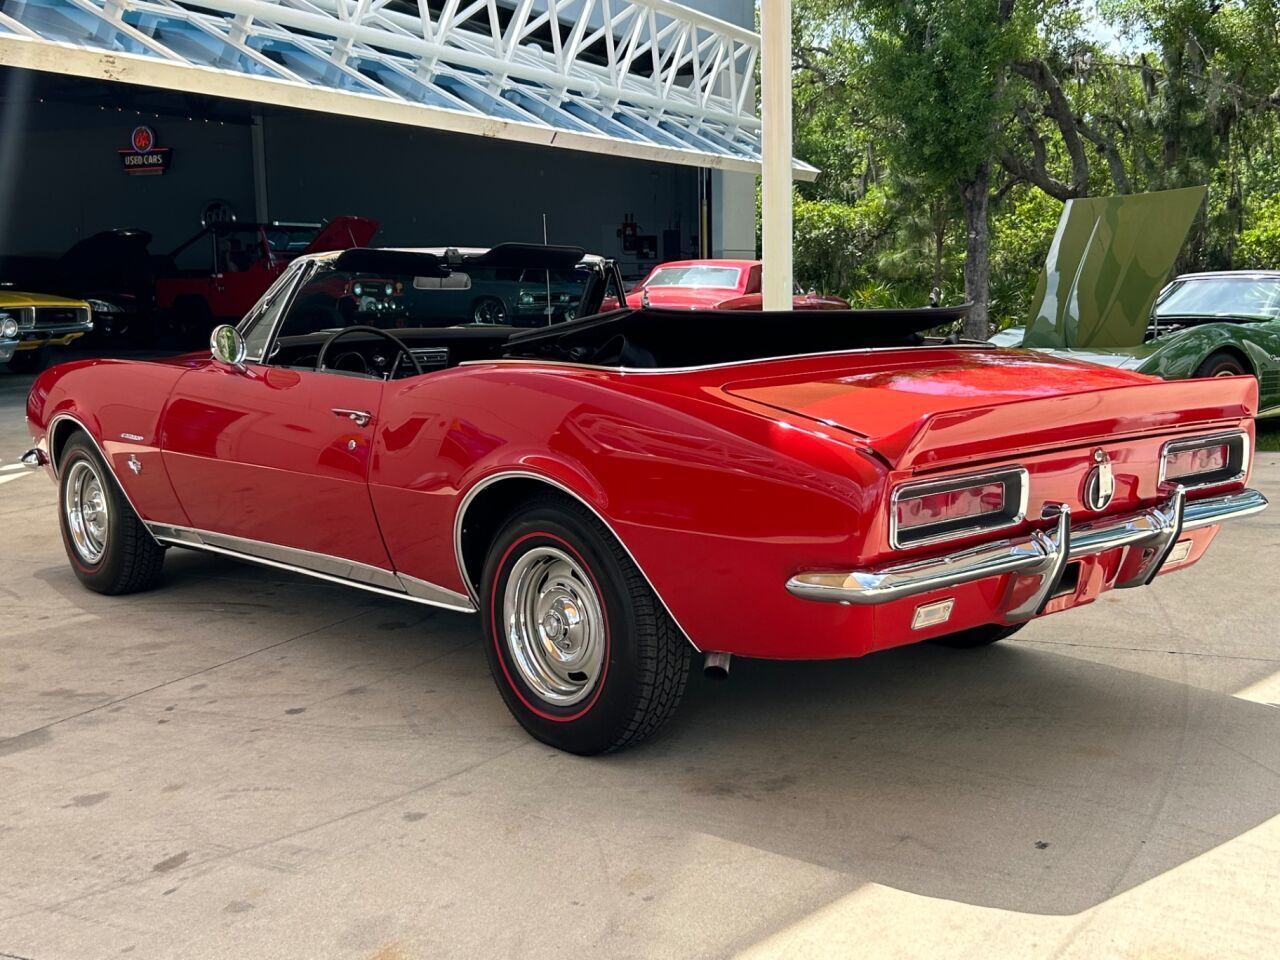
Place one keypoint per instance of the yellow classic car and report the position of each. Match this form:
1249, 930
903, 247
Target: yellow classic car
30, 322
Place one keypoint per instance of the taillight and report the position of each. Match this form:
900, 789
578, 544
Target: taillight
957, 506
1205, 461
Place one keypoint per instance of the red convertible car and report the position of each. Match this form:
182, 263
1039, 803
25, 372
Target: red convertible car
613, 493
717, 285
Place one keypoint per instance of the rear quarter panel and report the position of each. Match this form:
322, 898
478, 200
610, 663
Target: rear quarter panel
719, 506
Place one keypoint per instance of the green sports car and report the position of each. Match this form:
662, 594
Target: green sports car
1102, 297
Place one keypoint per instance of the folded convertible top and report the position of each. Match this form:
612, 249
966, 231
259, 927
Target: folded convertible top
660, 338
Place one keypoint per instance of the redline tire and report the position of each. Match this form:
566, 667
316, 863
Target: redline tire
113, 553
622, 677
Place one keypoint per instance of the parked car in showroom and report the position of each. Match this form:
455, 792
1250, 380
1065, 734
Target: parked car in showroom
37, 322
110, 270
511, 284
718, 285
219, 273
614, 493
1103, 297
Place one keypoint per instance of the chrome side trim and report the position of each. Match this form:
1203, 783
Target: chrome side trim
323, 566
460, 516
1157, 527
50, 433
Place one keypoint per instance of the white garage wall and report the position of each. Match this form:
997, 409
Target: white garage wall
69, 182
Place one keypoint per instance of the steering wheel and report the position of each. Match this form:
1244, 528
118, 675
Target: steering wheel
399, 345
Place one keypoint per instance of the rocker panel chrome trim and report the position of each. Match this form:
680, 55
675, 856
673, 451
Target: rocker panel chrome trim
324, 566
490, 480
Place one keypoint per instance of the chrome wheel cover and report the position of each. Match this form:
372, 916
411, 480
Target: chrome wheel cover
554, 626
85, 506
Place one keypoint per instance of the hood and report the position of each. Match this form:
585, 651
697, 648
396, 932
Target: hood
341, 233
1109, 258
933, 407
13, 299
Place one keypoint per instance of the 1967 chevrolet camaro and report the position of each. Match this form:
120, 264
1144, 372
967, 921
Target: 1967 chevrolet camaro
613, 493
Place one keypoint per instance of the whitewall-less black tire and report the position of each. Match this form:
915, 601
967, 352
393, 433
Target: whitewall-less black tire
583, 652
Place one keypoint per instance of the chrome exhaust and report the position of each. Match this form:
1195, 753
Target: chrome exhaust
716, 666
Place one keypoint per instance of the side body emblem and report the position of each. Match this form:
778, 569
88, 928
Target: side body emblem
134, 464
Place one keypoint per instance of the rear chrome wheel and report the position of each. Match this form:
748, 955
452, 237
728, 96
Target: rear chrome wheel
582, 650
87, 511
554, 625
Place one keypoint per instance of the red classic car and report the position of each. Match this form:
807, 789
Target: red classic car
716, 285
613, 493
222, 271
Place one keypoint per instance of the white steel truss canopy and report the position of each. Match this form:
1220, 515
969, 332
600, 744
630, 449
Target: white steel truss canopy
640, 78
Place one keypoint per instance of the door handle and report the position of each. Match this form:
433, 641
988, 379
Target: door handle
361, 418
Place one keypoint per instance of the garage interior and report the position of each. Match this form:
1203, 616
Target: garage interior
287, 124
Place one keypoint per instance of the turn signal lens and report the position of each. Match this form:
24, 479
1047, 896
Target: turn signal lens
950, 505
1191, 463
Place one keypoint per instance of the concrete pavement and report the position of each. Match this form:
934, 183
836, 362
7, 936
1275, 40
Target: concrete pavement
245, 763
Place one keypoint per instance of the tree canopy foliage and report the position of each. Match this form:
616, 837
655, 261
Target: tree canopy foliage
950, 132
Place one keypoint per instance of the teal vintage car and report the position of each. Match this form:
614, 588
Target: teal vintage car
1103, 297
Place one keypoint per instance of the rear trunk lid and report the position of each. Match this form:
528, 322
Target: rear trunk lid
930, 408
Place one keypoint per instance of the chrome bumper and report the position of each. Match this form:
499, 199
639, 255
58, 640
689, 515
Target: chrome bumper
1044, 553
35, 457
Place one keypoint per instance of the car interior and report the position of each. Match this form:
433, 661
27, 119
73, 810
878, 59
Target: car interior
388, 314
346, 307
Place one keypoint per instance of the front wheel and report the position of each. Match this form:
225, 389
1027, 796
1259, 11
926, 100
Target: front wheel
109, 548
583, 652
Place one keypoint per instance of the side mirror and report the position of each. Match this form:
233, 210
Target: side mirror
227, 345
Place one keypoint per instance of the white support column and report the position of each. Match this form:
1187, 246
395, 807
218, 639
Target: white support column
775, 177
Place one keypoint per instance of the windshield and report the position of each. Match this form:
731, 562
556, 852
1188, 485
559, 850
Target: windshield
1223, 296
700, 276
499, 296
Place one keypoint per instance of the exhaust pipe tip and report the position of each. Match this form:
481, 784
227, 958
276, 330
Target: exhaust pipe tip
716, 666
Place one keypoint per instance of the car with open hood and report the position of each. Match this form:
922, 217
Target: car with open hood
220, 272
615, 493
1105, 296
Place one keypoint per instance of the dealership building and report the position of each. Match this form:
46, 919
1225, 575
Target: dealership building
628, 127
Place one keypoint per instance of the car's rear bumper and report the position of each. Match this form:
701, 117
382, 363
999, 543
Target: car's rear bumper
1157, 533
